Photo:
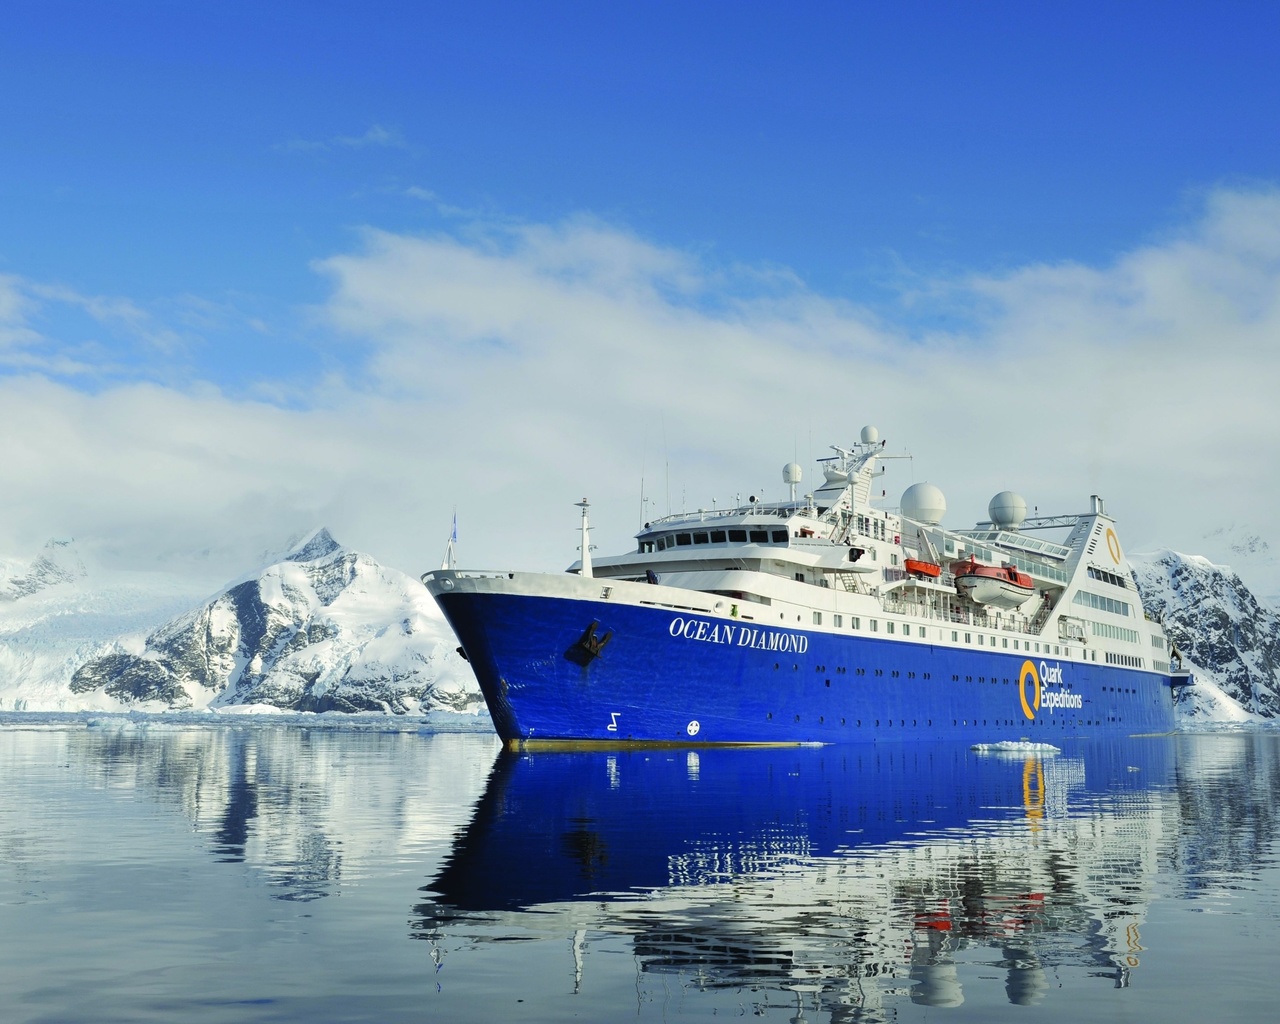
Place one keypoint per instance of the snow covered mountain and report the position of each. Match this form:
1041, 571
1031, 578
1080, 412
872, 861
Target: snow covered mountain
59, 562
326, 629
1230, 637
322, 628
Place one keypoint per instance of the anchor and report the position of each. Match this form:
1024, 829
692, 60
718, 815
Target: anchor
589, 646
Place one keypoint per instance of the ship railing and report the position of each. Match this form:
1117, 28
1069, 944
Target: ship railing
759, 511
958, 615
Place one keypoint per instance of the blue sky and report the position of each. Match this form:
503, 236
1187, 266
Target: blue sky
213, 204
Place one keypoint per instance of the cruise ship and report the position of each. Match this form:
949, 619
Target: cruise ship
823, 618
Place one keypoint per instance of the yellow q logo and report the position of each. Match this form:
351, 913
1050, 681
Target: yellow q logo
1113, 545
1029, 669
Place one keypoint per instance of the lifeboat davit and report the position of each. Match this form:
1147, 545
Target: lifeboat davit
1001, 587
918, 568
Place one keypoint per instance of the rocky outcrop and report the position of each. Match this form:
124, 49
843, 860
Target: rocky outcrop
1216, 622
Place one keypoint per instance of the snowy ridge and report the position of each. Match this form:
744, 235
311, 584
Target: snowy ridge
59, 562
326, 629
1231, 639
46, 633
323, 629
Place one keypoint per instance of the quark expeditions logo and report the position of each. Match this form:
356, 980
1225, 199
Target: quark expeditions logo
1041, 678
738, 635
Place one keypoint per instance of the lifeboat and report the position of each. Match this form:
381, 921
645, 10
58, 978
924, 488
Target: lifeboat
918, 568
999, 586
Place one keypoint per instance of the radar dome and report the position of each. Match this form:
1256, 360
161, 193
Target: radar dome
924, 503
1008, 510
870, 435
791, 473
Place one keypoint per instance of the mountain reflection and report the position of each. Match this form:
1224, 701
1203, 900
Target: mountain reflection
854, 876
305, 808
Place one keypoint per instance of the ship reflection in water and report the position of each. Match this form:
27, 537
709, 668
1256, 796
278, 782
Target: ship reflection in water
838, 879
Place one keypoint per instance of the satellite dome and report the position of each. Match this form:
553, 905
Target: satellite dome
791, 473
1008, 510
870, 435
924, 503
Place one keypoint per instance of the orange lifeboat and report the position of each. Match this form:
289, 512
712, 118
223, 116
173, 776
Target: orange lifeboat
918, 568
1001, 587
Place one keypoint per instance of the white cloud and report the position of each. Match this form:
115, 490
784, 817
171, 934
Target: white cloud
511, 370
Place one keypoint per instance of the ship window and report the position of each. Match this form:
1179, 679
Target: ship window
1004, 642
855, 622
817, 618
893, 559
759, 536
779, 536
738, 536
888, 627
954, 636
837, 621
993, 641
906, 629
874, 625
700, 538
662, 543
683, 539
966, 638
717, 536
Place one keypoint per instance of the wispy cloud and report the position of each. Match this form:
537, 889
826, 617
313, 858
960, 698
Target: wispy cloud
35, 335
376, 136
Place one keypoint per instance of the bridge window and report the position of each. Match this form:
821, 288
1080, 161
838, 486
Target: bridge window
717, 536
779, 536
759, 536
737, 536
683, 539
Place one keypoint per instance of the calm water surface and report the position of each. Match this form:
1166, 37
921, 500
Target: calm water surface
260, 872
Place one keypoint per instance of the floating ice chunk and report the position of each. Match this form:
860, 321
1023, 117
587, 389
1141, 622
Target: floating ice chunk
1015, 747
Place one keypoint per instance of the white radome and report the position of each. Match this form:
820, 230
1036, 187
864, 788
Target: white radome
924, 503
1008, 510
870, 435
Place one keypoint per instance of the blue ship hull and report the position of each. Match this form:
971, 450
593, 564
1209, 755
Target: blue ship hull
559, 669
